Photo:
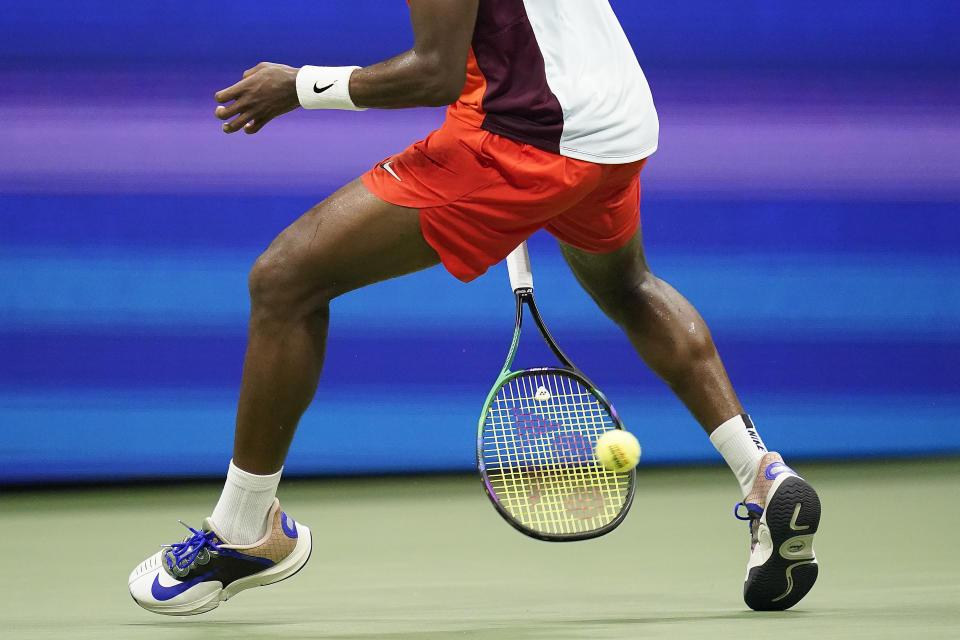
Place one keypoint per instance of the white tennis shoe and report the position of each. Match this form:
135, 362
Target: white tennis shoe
784, 512
196, 575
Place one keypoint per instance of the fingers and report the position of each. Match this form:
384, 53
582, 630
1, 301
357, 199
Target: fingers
247, 109
255, 125
227, 112
237, 123
234, 93
247, 123
230, 93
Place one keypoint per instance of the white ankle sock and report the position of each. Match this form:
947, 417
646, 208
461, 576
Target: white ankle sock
740, 445
241, 513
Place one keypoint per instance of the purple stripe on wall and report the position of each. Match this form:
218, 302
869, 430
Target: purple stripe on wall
518, 101
736, 135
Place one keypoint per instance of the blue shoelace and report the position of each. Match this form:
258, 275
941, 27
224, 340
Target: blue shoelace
182, 555
751, 508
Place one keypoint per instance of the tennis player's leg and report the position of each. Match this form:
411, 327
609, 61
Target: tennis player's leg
664, 328
349, 240
670, 335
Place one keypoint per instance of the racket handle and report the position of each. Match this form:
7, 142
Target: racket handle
518, 266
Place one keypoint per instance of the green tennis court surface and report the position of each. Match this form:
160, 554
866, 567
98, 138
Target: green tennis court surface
429, 558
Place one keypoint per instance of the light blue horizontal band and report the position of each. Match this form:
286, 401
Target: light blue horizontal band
140, 434
759, 293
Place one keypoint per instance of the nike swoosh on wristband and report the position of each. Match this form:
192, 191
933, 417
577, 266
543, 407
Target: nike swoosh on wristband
317, 89
163, 593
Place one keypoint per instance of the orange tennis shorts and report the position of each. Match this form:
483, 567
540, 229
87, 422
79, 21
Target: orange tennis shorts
480, 195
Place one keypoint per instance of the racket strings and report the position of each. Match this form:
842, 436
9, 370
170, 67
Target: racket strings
539, 437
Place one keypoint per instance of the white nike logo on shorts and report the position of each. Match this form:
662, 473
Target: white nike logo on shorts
386, 167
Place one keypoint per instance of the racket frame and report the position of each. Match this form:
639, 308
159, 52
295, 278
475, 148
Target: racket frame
523, 292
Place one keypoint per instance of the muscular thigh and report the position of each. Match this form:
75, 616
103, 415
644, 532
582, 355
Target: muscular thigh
349, 240
609, 278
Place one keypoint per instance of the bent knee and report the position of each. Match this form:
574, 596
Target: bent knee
281, 280
268, 278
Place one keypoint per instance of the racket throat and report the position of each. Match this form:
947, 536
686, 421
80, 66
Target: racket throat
535, 314
517, 325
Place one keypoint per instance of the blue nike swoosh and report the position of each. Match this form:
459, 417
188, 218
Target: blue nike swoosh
287, 529
775, 469
163, 593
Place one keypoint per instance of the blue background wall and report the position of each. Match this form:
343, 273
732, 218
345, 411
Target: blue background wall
806, 197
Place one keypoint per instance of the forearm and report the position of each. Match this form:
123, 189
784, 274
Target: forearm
430, 74
410, 79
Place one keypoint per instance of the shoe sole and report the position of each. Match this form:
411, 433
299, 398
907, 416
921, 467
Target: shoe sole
286, 568
791, 518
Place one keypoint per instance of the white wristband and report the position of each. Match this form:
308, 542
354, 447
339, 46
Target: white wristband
325, 88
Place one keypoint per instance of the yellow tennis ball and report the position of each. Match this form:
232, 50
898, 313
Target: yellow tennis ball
618, 450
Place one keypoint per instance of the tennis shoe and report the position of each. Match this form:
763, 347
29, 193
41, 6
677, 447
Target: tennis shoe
197, 574
784, 512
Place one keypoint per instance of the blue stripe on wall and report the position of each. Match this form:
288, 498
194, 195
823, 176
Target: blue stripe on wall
198, 223
914, 296
888, 33
45, 360
83, 436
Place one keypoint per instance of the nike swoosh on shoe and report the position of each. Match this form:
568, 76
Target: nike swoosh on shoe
775, 469
163, 593
289, 529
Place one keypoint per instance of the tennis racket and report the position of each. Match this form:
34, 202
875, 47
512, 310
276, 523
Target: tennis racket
536, 438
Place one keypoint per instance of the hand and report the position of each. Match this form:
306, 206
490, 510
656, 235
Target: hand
268, 90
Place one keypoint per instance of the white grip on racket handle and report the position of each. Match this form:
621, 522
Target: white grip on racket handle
518, 266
